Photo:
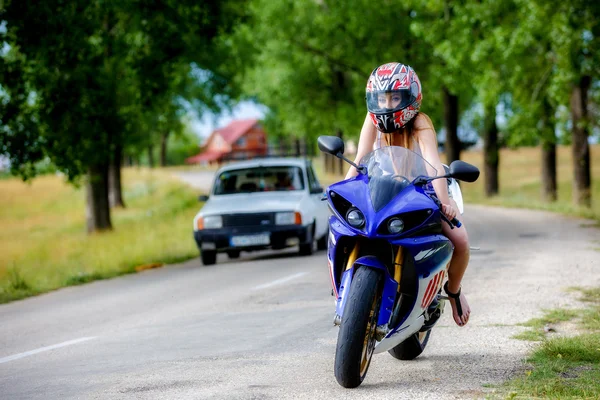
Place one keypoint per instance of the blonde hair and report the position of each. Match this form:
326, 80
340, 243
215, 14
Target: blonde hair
404, 137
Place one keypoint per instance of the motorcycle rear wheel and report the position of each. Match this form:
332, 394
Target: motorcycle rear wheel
412, 347
356, 338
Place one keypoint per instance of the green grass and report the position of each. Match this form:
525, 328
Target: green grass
43, 245
561, 367
550, 317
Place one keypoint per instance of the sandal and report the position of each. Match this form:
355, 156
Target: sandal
456, 297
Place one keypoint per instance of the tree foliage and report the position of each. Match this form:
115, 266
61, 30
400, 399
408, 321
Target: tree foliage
309, 61
83, 78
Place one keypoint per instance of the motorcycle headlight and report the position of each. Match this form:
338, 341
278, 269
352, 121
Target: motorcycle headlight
213, 222
395, 225
355, 218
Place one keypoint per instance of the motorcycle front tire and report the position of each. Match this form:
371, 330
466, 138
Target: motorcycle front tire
356, 338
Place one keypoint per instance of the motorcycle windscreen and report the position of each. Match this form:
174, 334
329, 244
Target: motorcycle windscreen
383, 189
390, 169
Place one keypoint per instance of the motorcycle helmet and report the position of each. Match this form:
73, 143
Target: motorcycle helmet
393, 96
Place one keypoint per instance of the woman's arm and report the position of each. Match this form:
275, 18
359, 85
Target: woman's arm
429, 148
365, 144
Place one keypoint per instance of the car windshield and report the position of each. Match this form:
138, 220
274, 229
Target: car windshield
259, 179
392, 168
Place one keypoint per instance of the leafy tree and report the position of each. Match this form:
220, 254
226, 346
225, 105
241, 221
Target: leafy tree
309, 61
84, 80
491, 23
445, 31
528, 50
575, 39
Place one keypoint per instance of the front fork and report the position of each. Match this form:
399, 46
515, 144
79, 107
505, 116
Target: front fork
382, 330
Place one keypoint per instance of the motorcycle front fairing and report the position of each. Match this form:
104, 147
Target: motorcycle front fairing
387, 192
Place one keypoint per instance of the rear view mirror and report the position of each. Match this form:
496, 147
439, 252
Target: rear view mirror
203, 198
463, 171
331, 144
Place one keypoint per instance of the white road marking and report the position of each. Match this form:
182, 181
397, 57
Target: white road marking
47, 348
278, 281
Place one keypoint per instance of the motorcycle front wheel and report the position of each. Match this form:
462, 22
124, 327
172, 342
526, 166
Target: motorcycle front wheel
356, 338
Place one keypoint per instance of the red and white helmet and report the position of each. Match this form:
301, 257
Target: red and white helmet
393, 96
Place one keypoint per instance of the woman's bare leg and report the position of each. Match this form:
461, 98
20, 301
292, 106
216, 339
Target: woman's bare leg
457, 268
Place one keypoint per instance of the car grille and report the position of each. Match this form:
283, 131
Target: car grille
260, 219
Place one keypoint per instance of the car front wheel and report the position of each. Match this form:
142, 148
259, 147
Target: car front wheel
233, 254
209, 257
322, 241
306, 249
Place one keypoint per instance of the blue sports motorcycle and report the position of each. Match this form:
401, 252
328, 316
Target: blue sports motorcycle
387, 255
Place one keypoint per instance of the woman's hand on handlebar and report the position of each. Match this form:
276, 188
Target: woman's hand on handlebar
449, 211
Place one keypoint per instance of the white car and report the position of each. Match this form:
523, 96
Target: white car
262, 203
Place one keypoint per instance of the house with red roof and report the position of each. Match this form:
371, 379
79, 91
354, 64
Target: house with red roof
241, 139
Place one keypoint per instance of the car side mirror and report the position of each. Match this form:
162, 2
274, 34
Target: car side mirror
463, 171
318, 190
203, 198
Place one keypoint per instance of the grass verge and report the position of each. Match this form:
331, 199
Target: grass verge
43, 245
562, 366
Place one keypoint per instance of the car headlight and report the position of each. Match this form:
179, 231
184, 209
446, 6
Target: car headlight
288, 218
210, 222
355, 217
395, 225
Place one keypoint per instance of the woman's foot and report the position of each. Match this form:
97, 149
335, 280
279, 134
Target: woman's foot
460, 308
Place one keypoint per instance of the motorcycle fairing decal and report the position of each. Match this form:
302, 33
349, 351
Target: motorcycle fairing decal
398, 336
437, 248
390, 287
426, 253
432, 288
433, 281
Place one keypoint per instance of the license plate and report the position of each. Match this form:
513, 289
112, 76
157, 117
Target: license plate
250, 240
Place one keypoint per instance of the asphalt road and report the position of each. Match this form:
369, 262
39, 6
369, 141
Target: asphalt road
261, 327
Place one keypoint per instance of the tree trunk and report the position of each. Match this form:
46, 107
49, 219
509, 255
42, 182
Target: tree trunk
163, 149
151, 156
298, 147
452, 144
115, 194
97, 205
549, 188
490, 151
282, 147
581, 148
331, 167
311, 147
548, 170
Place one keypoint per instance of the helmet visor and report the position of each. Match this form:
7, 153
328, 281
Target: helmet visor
389, 101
